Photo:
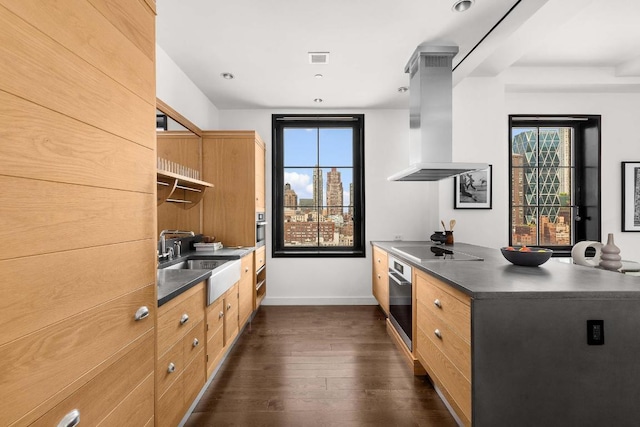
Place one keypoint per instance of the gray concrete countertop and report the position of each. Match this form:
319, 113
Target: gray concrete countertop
495, 277
172, 283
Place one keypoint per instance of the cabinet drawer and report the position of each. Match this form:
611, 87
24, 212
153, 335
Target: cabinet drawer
456, 387
246, 266
447, 341
97, 398
193, 379
170, 366
259, 255
454, 311
215, 345
215, 316
63, 357
169, 409
171, 326
380, 258
231, 314
193, 342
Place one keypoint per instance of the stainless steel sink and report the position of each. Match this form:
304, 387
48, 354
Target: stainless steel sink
198, 264
224, 274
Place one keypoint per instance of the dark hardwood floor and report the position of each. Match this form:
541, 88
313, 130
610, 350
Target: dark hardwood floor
318, 366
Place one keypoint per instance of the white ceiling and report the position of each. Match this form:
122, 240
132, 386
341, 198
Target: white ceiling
265, 44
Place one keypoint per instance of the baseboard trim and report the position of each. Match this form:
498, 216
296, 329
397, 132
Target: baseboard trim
319, 301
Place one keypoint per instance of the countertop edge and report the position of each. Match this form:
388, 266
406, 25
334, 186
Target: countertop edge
523, 282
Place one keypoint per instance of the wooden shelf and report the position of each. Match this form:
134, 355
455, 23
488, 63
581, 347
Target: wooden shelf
174, 188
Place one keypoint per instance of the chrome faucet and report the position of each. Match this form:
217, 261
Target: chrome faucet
163, 244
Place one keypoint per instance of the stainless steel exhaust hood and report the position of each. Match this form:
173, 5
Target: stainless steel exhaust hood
430, 117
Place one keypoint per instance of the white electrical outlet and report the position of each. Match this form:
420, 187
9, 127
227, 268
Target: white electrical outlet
398, 237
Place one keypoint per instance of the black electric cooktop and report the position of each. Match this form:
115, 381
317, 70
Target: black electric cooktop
424, 253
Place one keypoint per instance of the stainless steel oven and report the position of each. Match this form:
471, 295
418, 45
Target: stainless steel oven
400, 306
261, 229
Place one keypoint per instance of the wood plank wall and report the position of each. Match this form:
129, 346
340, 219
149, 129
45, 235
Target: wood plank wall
77, 206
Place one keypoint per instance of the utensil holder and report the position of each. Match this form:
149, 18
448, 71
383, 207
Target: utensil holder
449, 237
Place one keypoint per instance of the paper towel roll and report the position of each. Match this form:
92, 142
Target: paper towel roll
577, 253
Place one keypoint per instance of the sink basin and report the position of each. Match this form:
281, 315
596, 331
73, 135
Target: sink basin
224, 274
198, 264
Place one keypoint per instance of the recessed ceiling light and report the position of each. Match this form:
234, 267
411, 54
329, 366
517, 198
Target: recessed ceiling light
318, 76
227, 76
318, 100
462, 5
403, 89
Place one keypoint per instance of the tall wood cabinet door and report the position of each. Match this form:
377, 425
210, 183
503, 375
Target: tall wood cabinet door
260, 178
245, 290
230, 315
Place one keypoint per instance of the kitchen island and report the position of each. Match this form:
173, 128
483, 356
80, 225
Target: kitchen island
508, 345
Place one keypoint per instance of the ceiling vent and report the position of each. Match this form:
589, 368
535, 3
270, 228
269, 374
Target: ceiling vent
318, 57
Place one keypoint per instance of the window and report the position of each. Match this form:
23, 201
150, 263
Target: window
318, 185
554, 165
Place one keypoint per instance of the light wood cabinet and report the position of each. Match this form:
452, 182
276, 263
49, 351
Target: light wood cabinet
380, 278
233, 161
230, 315
215, 334
181, 367
246, 290
222, 326
443, 341
78, 164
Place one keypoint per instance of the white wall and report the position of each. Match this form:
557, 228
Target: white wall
481, 109
408, 209
178, 91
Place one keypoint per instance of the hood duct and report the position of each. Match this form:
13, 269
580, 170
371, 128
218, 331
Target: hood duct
430, 117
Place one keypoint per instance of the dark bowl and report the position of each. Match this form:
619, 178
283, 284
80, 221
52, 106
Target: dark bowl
533, 258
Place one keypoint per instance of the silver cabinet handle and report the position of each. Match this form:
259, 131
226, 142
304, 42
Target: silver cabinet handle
171, 368
221, 315
142, 313
437, 303
229, 305
71, 419
246, 269
185, 318
379, 277
379, 260
438, 333
196, 342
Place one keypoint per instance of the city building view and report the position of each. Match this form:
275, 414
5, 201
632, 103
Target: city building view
541, 186
324, 220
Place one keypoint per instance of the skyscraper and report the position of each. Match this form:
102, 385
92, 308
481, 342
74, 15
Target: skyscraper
290, 197
317, 187
334, 192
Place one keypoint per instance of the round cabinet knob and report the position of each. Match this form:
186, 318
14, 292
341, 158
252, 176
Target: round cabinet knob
221, 315
379, 260
228, 307
437, 333
142, 313
379, 277
437, 303
171, 368
184, 319
196, 342
246, 269
70, 420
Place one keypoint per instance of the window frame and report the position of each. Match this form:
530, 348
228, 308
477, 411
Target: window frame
356, 123
580, 123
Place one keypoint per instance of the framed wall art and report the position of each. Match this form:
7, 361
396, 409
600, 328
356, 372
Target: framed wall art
473, 190
631, 196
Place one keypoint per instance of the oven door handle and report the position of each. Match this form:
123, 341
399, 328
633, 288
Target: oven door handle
262, 223
398, 279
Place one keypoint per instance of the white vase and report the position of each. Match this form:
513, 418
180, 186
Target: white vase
610, 255
578, 253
